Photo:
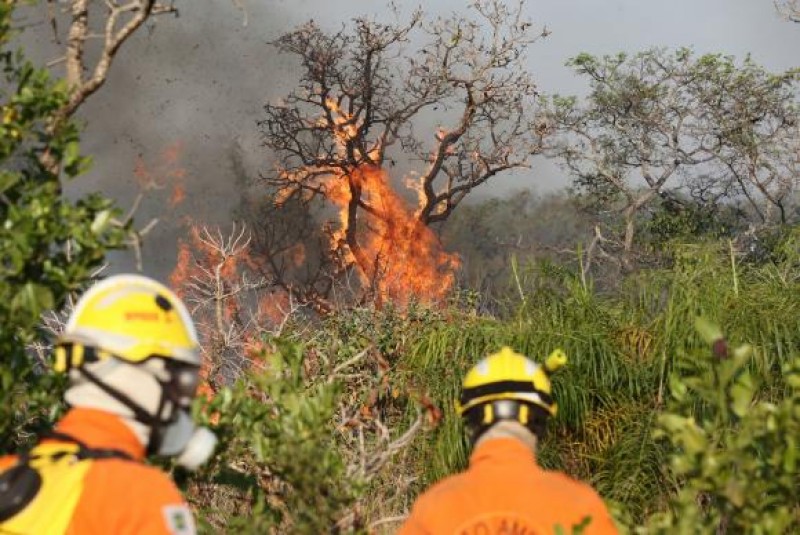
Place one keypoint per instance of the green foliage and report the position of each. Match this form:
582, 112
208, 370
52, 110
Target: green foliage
622, 347
643, 136
523, 225
734, 454
49, 245
677, 441
280, 439
678, 218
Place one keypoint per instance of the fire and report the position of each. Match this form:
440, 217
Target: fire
178, 195
165, 171
397, 256
200, 260
400, 257
181, 273
211, 279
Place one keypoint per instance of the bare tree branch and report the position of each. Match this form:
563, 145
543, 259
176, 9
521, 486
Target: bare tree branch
789, 9
360, 97
121, 21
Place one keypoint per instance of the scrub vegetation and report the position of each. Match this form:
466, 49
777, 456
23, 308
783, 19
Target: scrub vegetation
669, 274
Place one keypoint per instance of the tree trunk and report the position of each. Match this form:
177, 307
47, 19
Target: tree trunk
630, 229
630, 216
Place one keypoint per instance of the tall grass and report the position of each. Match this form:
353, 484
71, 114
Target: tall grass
622, 346
623, 342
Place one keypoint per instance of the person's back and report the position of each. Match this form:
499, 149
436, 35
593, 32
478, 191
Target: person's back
506, 401
133, 361
118, 493
505, 491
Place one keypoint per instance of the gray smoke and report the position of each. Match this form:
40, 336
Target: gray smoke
200, 80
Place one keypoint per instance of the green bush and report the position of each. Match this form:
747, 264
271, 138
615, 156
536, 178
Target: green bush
49, 245
280, 466
626, 349
734, 450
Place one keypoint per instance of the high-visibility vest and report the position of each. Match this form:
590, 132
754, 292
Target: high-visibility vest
39, 493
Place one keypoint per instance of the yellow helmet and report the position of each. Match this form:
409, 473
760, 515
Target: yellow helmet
508, 376
132, 318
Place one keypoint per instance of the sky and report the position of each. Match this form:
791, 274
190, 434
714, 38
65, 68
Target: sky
198, 83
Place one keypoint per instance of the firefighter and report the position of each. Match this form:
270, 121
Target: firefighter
133, 361
506, 401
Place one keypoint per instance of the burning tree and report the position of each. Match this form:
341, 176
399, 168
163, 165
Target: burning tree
450, 98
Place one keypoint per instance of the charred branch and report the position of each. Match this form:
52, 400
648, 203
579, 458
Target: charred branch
360, 97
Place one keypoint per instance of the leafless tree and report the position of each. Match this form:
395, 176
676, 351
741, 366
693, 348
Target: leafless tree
452, 96
223, 297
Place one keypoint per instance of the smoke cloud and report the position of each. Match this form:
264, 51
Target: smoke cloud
198, 82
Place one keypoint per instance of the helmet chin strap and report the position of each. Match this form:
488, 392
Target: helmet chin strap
152, 421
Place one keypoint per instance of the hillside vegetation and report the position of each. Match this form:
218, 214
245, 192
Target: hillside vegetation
319, 434
669, 273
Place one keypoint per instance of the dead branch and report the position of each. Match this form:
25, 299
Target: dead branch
224, 297
121, 20
354, 113
367, 463
789, 9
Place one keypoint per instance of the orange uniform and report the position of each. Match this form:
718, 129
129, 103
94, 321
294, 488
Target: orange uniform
120, 496
505, 491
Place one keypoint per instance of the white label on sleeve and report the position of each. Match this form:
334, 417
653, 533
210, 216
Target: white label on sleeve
179, 520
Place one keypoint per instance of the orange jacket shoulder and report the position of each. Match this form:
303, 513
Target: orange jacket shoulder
430, 505
584, 498
6, 461
124, 497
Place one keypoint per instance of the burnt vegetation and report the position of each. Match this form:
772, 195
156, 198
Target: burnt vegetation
446, 104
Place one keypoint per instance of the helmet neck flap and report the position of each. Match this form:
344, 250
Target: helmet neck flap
131, 349
140, 393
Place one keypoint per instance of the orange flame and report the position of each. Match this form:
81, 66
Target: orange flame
178, 195
398, 257
407, 259
201, 265
166, 170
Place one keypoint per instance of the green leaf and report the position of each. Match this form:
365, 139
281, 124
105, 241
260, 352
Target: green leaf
790, 455
694, 440
734, 492
8, 180
33, 299
677, 387
708, 331
101, 221
742, 395
72, 152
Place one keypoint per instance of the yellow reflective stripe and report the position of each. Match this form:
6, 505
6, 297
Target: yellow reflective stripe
60, 364
77, 355
488, 413
523, 414
50, 512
